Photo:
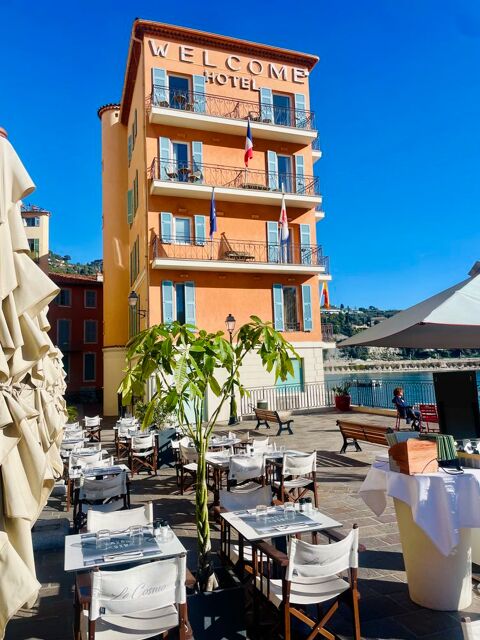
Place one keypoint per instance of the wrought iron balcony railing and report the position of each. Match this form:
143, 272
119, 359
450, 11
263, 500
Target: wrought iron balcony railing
316, 144
239, 251
231, 108
233, 177
327, 332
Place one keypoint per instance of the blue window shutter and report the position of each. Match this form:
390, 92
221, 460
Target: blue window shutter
299, 173
199, 100
278, 321
307, 307
189, 303
200, 229
197, 155
305, 244
166, 227
266, 105
167, 301
273, 241
160, 88
300, 114
130, 206
165, 159
272, 164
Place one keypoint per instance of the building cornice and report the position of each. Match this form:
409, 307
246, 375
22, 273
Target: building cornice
142, 28
111, 106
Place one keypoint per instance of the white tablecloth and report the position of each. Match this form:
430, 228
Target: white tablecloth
441, 503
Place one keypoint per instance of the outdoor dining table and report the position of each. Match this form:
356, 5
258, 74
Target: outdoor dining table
435, 513
83, 554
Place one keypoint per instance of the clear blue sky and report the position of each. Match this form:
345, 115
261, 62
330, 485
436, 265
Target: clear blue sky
397, 98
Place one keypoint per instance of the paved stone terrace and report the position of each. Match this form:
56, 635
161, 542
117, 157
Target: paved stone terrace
386, 610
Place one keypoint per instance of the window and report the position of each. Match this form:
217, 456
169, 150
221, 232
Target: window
290, 309
32, 222
178, 302
284, 171
134, 128
90, 331
66, 365
135, 193
179, 92
180, 153
34, 244
64, 298
281, 109
182, 230
63, 333
90, 300
89, 367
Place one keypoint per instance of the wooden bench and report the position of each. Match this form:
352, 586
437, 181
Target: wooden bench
354, 431
264, 416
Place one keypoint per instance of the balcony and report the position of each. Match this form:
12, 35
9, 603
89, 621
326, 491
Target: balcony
327, 333
316, 150
229, 115
239, 255
233, 184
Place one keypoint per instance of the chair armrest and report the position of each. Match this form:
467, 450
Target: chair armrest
83, 587
271, 552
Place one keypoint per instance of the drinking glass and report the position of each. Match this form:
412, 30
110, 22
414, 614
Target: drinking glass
289, 511
136, 535
261, 511
102, 539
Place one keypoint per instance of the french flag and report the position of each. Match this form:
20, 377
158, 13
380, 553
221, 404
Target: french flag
248, 145
284, 232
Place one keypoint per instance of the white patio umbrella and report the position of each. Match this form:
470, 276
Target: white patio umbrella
447, 320
29, 460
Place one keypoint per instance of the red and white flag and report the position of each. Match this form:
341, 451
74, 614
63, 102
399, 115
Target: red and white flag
284, 231
248, 145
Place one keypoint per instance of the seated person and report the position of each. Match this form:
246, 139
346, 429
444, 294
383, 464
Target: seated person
406, 411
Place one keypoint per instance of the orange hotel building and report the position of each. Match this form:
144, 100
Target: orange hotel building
178, 132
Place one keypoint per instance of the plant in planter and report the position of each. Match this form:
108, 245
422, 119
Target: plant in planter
342, 396
186, 363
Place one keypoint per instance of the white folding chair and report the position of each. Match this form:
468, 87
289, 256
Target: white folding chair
100, 494
260, 445
188, 462
471, 630
243, 468
297, 476
119, 520
313, 576
84, 458
92, 426
143, 454
137, 603
67, 448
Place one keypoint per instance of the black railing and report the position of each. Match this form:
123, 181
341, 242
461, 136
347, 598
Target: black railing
316, 144
327, 332
231, 108
314, 395
238, 251
233, 177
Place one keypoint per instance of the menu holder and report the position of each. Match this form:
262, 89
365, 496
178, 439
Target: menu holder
413, 456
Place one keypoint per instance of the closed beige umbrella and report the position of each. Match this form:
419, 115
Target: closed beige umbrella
32, 413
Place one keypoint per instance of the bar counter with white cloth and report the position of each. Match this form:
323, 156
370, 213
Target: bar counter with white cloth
435, 513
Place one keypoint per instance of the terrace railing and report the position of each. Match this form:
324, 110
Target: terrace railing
233, 177
237, 251
327, 332
232, 108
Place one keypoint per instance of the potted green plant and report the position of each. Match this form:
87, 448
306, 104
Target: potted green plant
342, 396
186, 363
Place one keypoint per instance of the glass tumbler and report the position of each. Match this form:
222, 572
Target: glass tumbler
289, 511
102, 539
136, 535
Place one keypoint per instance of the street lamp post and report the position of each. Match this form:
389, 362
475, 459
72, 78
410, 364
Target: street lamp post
230, 324
133, 302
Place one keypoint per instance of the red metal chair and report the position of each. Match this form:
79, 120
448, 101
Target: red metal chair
429, 416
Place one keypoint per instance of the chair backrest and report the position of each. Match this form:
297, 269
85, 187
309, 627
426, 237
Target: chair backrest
143, 588
311, 563
235, 500
84, 459
119, 520
72, 426
103, 488
471, 630
88, 447
299, 465
260, 445
242, 468
123, 430
428, 412
143, 443
98, 464
92, 421
187, 454
68, 447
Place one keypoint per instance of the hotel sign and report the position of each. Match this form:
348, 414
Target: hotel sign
224, 72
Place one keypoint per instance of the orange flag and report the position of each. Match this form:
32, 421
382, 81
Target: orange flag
326, 297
